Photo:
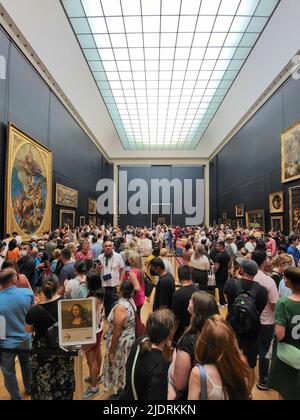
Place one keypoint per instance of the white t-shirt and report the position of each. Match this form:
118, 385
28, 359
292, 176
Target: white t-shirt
250, 247
168, 266
72, 288
201, 263
268, 315
111, 266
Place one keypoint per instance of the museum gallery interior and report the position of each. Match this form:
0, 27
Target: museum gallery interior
149, 200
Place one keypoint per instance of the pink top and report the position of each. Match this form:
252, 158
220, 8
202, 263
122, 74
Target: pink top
139, 298
80, 256
271, 244
268, 316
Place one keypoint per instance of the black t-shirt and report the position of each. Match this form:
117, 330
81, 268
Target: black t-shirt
223, 258
231, 291
188, 344
164, 292
26, 266
42, 320
180, 303
150, 378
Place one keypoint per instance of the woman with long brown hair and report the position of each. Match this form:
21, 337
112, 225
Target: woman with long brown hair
226, 369
202, 306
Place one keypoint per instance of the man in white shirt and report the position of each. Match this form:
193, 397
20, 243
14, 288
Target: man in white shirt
112, 273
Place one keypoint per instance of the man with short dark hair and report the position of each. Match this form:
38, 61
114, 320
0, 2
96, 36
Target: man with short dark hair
67, 272
112, 272
14, 305
258, 295
222, 263
293, 248
26, 264
165, 287
181, 299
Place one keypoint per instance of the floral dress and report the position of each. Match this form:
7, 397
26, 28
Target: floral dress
115, 374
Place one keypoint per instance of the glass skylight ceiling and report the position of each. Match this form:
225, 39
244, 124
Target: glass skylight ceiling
163, 67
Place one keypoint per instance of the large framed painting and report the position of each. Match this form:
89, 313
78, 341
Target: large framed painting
92, 206
276, 202
295, 209
66, 197
66, 217
28, 196
277, 223
255, 219
240, 210
290, 151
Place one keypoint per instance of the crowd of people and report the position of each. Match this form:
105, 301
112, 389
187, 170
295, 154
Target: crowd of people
231, 301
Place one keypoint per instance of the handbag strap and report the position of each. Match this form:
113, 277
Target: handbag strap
135, 396
46, 312
203, 380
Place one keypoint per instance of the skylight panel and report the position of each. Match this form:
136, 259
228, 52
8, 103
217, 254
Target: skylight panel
163, 67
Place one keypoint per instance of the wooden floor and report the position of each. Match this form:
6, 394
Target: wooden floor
147, 308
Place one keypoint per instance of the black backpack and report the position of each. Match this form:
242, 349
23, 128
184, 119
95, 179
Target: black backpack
244, 316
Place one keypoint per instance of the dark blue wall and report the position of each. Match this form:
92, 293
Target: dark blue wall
27, 102
248, 168
168, 172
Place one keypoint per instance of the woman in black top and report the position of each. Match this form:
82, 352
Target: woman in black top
52, 376
150, 381
202, 306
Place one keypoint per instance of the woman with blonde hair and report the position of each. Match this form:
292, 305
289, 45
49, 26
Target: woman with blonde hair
223, 372
200, 266
279, 265
136, 277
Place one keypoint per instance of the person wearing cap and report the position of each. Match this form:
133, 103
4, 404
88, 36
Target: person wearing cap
249, 344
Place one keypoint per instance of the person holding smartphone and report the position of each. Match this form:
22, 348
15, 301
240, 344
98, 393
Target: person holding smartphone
111, 268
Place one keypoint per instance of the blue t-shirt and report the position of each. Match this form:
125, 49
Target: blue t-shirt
14, 305
295, 253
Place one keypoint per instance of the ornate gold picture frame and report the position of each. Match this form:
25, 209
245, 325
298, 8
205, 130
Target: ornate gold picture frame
290, 151
66, 217
28, 195
255, 219
294, 199
66, 197
92, 206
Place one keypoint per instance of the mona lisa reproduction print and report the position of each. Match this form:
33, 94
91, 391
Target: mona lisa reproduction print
28, 185
77, 322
